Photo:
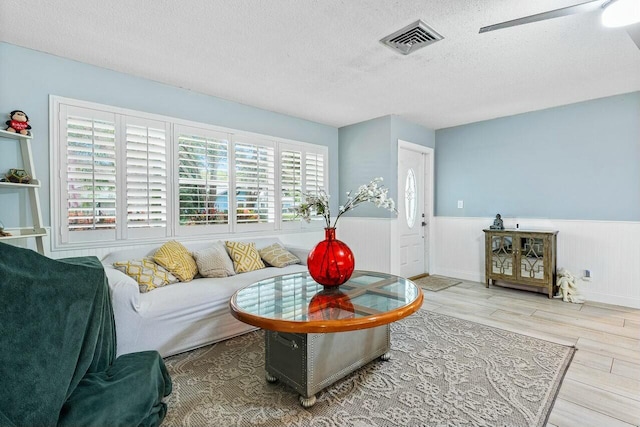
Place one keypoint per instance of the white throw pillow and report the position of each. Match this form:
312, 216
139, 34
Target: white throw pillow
214, 261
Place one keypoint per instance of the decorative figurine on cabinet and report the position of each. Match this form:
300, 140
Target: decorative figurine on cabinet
19, 123
497, 223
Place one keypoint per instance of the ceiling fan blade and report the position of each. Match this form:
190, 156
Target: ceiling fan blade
634, 33
589, 6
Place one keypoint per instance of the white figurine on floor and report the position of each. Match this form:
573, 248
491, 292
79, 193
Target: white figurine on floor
567, 287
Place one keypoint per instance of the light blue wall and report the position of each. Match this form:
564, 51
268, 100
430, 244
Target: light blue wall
370, 149
28, 77
579, 161
410, 132
364, 154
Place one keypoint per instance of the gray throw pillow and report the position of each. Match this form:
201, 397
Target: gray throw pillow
214, 261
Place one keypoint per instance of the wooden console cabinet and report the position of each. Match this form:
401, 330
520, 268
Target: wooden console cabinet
526, 257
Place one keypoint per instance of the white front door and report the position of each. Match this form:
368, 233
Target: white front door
411, 207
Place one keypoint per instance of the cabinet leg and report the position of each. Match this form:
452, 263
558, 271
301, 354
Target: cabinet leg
270, 378
307, 402
487, 284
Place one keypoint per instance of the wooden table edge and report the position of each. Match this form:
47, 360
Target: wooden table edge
328, 326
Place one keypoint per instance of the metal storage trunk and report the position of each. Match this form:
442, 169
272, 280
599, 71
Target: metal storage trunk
311, 362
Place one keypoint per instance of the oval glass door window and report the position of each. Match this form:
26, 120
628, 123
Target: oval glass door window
410, 198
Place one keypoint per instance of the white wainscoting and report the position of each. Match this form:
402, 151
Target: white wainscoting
609, 249
370, 241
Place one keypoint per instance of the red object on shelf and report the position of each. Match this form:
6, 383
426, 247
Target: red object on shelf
331, 304
330, 262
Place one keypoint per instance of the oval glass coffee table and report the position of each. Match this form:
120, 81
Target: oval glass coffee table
313, 336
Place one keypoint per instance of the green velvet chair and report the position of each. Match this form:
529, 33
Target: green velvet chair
58, 347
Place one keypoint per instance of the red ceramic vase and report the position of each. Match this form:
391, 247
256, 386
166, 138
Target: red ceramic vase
331, 304
331, 261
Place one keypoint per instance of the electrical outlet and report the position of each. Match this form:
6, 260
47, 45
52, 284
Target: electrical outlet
460, 204
587, 275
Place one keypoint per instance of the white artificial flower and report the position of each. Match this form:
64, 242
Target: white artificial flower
319, 203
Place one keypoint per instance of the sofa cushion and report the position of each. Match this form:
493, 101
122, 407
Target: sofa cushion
204, 296
214, 261
278, 256
177, 259
147, 273
245, 256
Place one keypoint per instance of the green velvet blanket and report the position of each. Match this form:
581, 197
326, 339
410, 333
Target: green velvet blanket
57, 349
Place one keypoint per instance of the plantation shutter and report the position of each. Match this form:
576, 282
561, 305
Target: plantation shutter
88, 174
290, 183
314, 172
203, 178
146, 177
255, 184
120, 175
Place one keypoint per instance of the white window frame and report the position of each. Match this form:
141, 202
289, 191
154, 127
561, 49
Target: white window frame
199, 230
124, 236
143, 233
297, 224
59, 155
246, 139
304, 149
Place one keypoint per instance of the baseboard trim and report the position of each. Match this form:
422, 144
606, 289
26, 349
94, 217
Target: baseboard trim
589, 296
609, 299
471, 276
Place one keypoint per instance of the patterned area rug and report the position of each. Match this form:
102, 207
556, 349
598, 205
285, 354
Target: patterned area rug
443, 371
435, 283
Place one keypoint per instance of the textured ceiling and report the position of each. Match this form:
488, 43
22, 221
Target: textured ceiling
321, 59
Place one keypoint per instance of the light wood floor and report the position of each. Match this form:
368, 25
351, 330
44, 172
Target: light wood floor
602, 386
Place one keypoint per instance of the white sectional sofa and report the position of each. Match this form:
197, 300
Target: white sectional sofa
186, 315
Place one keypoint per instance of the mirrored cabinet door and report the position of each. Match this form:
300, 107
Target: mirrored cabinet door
502, 255
532, 257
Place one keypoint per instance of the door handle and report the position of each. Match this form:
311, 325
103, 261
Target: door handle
424, 223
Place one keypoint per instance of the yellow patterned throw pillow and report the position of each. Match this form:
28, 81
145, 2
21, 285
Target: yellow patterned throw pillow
177, 259
245, 256
147, 273
278, 256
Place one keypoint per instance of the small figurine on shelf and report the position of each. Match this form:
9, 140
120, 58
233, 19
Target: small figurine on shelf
497, 223
2, 232
19, 123
18, 176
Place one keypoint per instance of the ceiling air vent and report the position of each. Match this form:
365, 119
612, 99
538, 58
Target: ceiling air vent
411, 38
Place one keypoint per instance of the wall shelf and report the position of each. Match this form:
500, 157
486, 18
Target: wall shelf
34, 184
14, 135
23, 233
36, 231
